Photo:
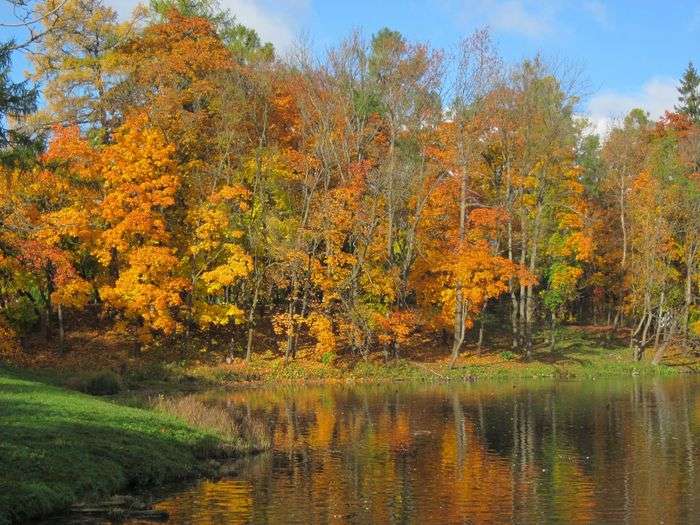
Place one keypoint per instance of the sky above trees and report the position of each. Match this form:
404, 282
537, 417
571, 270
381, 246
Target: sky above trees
631, 52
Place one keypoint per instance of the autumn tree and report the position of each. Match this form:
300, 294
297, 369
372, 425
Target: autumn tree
77, 63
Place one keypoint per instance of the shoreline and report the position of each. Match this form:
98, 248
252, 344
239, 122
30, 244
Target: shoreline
61, 447
193, 366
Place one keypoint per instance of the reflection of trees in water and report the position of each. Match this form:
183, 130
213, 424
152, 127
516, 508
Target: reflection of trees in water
569, 452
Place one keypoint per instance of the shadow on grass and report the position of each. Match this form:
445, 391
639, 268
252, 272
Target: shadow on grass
59, 447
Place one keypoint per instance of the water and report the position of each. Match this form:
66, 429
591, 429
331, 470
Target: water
539, 452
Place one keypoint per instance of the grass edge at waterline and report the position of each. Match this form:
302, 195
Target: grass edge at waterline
59, 447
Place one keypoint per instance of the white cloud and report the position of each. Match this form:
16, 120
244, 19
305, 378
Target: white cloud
518, 17
598, 11
276, 21
655, 96
531, 19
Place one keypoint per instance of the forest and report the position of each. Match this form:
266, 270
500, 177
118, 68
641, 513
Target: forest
170, 176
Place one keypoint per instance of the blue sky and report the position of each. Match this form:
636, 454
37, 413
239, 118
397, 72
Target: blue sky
631, 52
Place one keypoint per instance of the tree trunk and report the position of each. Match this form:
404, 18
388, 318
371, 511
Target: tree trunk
553, 331
659, 317
480, 341
661, 351
639, 351
460, 306
251, 321
458, 337
688, 291
61, 332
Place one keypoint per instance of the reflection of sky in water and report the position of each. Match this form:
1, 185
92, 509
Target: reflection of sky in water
570, 452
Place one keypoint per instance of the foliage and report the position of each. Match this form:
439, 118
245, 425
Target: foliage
195, 186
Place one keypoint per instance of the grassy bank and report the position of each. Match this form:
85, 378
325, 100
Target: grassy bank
58, 447
581, 352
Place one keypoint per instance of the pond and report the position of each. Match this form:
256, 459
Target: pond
622, 451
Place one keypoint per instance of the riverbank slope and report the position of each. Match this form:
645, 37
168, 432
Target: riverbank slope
59, 447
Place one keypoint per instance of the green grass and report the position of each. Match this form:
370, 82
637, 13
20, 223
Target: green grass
575, 356
58, 447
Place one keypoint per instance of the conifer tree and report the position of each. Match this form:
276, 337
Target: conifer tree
689, 94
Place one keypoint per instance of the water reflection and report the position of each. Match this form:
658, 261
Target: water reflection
605, 452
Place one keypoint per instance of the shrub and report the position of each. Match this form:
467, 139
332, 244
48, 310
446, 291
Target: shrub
105, 383
507, 355
9, 346
21, 314
236, 428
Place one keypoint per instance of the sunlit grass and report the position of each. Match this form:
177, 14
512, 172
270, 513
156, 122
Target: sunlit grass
59, 446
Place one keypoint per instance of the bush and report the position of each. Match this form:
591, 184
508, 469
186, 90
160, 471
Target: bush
235, 428
105, 383
507, 355
21, 314
9, 346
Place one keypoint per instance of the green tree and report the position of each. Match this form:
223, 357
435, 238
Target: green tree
689, 94
17, 100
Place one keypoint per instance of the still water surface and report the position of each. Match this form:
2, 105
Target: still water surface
539, 452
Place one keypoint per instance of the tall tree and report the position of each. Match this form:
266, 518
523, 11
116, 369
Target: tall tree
689, 94
76, 63
17, 101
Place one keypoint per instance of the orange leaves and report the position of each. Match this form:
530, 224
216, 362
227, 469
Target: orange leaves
68, 146
487, 221
9, 344
141, 181
149, 288
396, 326
480, 274
178, 66
321, 329
235, 193
474, 272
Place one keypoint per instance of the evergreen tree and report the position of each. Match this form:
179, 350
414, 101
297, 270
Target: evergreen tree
17, 99
689, 92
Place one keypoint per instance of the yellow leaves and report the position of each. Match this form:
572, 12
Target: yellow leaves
695, 327
9, 344
529, 200
73, 294
321, 329
213, 314
237, 265
149, 288
217, 261
232, 193
565, 277
211, 225
66, 222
